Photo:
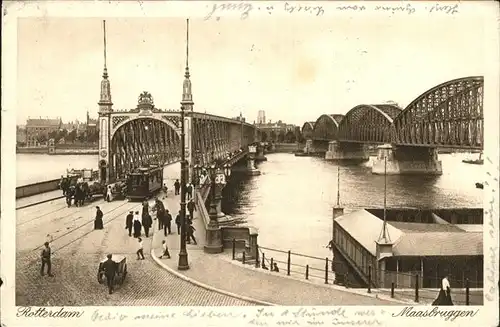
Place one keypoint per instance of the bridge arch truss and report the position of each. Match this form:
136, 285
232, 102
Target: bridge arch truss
326, 127
307, 130
368, 124
450, 114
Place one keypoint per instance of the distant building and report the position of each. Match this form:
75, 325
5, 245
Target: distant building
277, 132
429, 244
21, 135
261, 117
38, 129
240, 118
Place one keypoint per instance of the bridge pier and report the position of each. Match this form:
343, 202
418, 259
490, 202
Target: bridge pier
260, 153
251, 170
338, 151
407, 160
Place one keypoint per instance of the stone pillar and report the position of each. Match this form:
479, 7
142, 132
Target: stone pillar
251, 170
406, 160
252, 243
309, 148
383, 251
260, 153
52, 146
338, 151
213, 235
218, 202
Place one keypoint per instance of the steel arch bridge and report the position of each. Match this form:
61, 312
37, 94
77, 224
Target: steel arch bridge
450, 115
326, 127
148, 135
368, 124
307, 130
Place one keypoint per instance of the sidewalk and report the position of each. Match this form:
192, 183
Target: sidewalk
217, 272
33, 199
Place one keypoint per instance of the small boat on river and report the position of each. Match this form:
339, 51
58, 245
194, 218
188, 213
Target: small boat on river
478, 161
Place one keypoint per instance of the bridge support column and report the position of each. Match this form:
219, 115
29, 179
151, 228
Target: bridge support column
309, 148
338, 151
260, 153
251, 170
407, 160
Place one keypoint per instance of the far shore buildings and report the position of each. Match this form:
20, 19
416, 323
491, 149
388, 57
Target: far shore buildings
278, 131
429, 244
36, 131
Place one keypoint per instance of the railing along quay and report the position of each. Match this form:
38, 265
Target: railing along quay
408, 286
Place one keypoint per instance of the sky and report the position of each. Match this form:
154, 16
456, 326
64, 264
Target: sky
294, 69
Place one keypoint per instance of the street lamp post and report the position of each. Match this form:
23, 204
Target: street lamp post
183, 263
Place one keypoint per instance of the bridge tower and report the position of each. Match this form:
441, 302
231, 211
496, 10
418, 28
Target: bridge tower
105, 110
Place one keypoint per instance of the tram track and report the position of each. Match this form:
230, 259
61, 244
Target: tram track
39, 202
73, 230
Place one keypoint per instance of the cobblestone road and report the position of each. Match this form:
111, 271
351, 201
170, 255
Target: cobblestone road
77, 252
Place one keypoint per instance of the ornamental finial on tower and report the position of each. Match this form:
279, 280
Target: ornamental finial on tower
187, 97
105, 103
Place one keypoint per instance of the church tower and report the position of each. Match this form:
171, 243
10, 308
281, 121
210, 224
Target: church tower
105, 110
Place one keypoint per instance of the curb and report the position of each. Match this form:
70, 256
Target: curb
330, 286
40, 202
205, 286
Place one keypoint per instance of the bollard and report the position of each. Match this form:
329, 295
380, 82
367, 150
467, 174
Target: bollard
234, 249
392, 289
326, 270
416, 288
272, 265
244, 259
263, 260
369, 278
307, 271
288, 263
467, 291
256, 256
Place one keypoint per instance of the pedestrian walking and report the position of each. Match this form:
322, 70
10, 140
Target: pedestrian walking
137, 225
165, 250
69, 196
444, 296
98, 224
178, 222
168, 223
177, 186
191, 208
140, 250
190, 234
129, 222
160, 213
46, 256
147, 222
110, 267
109, 194
189, 191
145, 208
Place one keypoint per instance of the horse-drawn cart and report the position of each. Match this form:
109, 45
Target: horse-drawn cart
81, 185
121, 270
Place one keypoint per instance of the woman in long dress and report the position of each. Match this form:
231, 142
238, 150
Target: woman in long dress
444, 296
137, 225
98, 224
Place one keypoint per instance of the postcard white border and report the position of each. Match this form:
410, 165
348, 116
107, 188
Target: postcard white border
487, 315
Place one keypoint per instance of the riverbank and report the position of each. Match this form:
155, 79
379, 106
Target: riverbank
57, 151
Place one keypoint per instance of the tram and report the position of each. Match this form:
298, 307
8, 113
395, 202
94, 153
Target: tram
144, 182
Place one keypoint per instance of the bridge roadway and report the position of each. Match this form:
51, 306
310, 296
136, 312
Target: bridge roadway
77, 252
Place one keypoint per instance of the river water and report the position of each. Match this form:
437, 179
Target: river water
290, 202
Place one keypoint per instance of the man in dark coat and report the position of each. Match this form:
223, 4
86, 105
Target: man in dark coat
190, 234
177, 186
98, 224
45, 256
69, 195
191, 208
189, 191
168, 223
110, 267
160, 213
178, 222
129, 221
146, 223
